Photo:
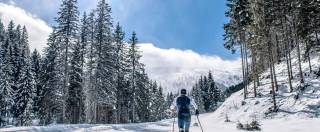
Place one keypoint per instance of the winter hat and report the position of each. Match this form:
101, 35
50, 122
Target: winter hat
183, 92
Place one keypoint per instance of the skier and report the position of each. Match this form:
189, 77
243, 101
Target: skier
182, 105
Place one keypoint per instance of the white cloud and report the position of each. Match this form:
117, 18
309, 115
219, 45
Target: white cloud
176, 69
38, 29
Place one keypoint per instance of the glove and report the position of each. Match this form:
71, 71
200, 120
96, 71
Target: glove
173, 110
197, 112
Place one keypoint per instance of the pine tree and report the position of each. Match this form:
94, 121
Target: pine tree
205, 94
17, 60
213, 93
5, 94
2, 33
217, 94
135, 68
105, 71
6, 91
143, 96
91, 98
84, 37
161, 104
36, 71
197, 96
25, 90
121, 70
48, 100
75, 101
157, 107
16, 56
66, 29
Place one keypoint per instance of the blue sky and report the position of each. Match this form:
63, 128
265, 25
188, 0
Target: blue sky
181, 24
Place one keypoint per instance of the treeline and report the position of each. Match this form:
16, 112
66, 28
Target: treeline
16, 75
87, 74
206, 94
269, 32
232, 89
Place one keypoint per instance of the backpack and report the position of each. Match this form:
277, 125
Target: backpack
183, 104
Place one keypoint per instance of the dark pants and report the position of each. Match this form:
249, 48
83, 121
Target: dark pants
184, 120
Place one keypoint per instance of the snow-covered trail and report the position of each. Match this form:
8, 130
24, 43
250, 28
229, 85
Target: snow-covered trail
210, 122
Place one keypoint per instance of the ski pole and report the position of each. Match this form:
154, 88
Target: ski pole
200, 123
174, 120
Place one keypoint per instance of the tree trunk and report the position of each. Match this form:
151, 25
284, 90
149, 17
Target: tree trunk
254, 71
118, 94
275, 76
289, 74
274, 71
273, 88
133, 109
309, 61
298, 52
290, 64
95, 109
317, 37
243, 71
287, 56
133, 86
299, 61
66, 81
117, 114
272, 79
278, 50
80, 118
289, 47
308, 48
246, 65
257, 78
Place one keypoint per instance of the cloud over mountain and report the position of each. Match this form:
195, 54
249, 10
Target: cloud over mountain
176, 69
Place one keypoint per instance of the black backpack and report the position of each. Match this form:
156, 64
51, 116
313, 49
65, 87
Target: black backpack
183, 103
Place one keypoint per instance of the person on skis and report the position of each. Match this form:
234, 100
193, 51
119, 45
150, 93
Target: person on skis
182, 105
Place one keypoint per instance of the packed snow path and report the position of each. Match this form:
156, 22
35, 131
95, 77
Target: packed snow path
210, 122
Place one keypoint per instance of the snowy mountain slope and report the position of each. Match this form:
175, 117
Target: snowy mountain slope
223, 80
307, 106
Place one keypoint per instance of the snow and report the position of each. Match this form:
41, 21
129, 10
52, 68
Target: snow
209, 121
299, 115
307, 106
